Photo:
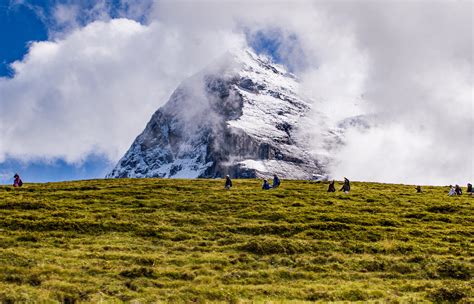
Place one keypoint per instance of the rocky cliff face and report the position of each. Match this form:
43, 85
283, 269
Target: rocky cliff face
239, 116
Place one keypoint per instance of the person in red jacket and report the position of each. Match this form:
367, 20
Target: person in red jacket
17, 181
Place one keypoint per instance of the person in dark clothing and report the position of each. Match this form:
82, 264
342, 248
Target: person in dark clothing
17, 182
276, 181
266, 185
469, 188
458, 190
228, 182
347, 186
418, 189
332, 187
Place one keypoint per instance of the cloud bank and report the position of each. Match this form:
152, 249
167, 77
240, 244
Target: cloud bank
420, 87
93, 91
92, 88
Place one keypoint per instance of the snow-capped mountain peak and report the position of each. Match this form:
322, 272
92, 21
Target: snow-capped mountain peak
238, 116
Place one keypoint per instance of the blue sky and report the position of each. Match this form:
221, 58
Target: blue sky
20, 25
23, 22
58, 170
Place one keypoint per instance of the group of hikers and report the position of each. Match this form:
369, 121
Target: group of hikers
457, 190
275, 184
346, 187
265, 186
453, 190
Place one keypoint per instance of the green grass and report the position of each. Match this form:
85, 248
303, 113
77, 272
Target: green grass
163, 240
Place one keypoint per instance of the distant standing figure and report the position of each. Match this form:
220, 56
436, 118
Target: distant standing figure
469, 188
276, 181
418, 189
452, 191
347, 186
331, 187
17, 182
228, 182
458, 190
266, 185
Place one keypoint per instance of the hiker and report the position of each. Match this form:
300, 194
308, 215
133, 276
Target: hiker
458, 190
228, 182
276, 181
331, 187
347, 186
266, 185
469, 188
452, 191
418, 189
17, 182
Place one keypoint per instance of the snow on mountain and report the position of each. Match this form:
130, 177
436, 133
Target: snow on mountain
239, 116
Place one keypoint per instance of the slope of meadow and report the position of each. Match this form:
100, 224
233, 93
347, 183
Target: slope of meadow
164, 240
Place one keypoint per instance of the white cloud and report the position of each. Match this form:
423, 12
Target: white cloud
410, 63
420, 85
93, 91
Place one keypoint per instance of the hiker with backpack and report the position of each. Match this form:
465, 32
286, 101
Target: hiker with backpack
228, 182
332, 187
458, 190
347, 186
276, 181
266, 185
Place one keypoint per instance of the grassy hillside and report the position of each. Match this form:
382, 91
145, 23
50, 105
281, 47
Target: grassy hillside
156, 240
